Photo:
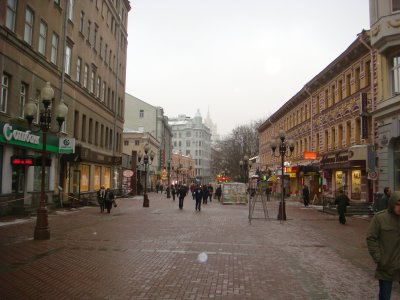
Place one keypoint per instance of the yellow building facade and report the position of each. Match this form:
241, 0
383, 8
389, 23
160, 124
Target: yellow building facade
330, 123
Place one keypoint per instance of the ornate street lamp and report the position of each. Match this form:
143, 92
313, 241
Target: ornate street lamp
42, 231
284, 146
146, 162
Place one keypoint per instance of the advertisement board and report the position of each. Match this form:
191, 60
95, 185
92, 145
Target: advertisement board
234, 193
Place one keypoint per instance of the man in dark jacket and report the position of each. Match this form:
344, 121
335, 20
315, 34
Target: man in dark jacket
342, 201
383, 240
181, 195
198, 195
218, 192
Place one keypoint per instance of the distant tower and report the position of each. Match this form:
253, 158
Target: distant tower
213, 127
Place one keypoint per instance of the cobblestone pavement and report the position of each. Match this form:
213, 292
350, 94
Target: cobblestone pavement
162, 252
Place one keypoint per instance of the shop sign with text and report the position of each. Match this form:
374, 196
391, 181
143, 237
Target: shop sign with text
18, 136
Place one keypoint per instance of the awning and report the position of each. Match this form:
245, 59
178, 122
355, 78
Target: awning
273, 178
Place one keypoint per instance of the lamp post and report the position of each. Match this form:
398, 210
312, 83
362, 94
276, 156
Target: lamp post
42, 231
169, 182
245, 165
284, 146
146, 162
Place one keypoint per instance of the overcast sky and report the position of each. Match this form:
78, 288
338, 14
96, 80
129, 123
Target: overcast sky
241, 59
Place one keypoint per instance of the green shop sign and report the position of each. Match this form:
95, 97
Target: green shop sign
19, 136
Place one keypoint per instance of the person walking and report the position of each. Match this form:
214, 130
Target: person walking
101, 194
109, 199
383, 241
218, 192
306, 195
342, 201
205, 194
383, 204
210, 192
173, 192
181, 195
198, 194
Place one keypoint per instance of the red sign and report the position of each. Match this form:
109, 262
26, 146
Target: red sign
310, 155
22, 161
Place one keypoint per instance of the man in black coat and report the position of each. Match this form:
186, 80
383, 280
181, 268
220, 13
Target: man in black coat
181, 195
342, 201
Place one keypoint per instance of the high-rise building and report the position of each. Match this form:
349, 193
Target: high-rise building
192, 137
80, 47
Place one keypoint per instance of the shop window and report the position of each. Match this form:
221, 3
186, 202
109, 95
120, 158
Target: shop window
85, 178
339, 180
37, 178
97, 178
356, 184
107, 178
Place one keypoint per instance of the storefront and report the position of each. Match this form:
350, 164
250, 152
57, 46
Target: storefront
342, 173
21, 156
85, 171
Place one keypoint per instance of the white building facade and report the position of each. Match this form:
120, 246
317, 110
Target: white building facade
192, 137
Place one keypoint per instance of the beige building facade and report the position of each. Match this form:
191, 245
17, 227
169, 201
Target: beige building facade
330, 123
80, 48
385, 38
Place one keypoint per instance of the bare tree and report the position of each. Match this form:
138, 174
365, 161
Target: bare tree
243, 140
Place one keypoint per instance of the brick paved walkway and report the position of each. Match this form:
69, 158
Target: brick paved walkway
162, 252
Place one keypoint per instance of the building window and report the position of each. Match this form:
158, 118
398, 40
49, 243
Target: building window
22, 97
83, 133
92, 77
103, 92
88, 30
101, 47
5, 81
396, 74
126, 143
141, 113
71, 10
28, 26
68, 55
348, 85
187, 143
54, 48
11, 14
340, 136
96, 135
76, 123
96, 29
367, 73
348, 134
98, 87
137, 142
85, 76
340, 90
81, 22
42, 38
357, 79
90, 136
78, 69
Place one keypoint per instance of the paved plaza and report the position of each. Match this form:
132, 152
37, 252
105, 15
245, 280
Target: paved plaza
162, 252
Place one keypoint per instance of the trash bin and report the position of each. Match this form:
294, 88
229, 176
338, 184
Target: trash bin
378, 203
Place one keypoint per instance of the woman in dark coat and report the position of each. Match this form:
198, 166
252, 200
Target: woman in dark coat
181, 195
306, 195
109, 200
205, 194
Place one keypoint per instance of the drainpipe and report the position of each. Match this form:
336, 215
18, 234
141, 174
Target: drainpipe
360, 37
312, 119
371, 50
116, 92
